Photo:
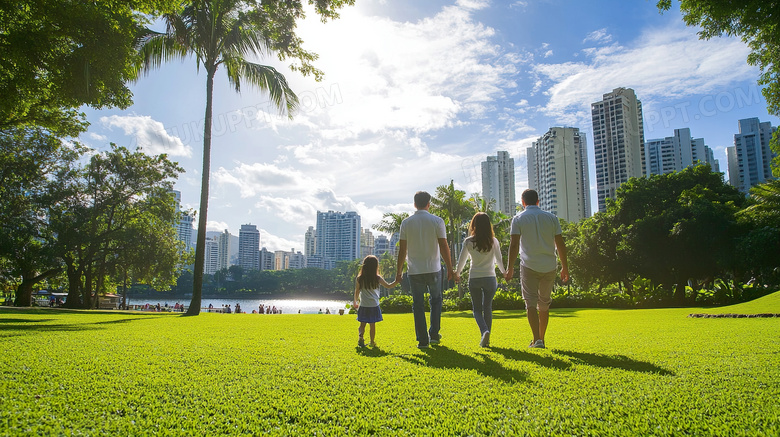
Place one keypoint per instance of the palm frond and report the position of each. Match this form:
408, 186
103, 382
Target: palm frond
265, 78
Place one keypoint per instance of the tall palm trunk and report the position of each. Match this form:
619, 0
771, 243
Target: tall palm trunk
200, 242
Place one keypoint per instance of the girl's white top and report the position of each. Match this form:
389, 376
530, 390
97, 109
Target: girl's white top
369, 298
483, 264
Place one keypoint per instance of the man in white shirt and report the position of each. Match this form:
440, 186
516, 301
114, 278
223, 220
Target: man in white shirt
423, 241
536, 234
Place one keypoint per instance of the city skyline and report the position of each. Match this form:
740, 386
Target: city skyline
426, 92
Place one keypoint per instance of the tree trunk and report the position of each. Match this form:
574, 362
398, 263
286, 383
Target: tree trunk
200, 244
24, 290
24, 294
74, 287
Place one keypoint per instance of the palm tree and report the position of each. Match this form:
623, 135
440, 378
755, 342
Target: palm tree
452, 205
224, 33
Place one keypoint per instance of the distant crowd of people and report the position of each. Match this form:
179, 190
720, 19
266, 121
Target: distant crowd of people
261, 309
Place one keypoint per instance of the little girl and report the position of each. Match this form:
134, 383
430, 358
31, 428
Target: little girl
367, 294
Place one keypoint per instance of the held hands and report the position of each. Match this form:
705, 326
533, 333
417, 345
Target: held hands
355, 304
457, 277
509, 272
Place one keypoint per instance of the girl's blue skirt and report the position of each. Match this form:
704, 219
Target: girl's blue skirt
369, 314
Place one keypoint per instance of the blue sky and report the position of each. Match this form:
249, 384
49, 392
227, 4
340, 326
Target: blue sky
416, 94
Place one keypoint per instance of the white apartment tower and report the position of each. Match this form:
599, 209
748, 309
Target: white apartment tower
338, 235
498, 182
249, 247
558, 171
366, 243
185, 226
223, 260
752, 153
212, 256
675, 153
618, 142
310, 242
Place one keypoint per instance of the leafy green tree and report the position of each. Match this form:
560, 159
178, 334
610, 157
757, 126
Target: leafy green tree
453, 206
677, 227
118, 196
759, 249
60, 54
225, 33
30, 161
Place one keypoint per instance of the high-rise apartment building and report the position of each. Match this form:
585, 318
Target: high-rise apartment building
267, 259
731, 156
289, 260
211, 259
185, 226
366, 243
223, 257
675, 153
338, 235
249, 247
381, 245
310, 242
558, 164
618, 142
498, 182
753, 155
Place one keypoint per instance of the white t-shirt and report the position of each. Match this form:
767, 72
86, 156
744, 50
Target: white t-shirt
422, 231
369, 298
483, 264
537, 230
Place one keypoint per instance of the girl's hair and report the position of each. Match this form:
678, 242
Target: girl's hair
482, 231
369, 271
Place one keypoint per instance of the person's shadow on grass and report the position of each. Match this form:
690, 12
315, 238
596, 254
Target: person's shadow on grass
613, 361
443, 357
373, 352
542, 360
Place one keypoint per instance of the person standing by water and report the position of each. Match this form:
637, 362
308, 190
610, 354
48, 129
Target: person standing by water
536, 234
422, 244
366, 298
485, 252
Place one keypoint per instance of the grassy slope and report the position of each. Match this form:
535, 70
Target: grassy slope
606, 372
767, 304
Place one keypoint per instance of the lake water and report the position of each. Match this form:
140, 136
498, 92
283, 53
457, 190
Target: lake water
288, 306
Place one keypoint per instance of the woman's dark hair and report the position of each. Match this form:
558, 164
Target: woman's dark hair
369, 271
482, 231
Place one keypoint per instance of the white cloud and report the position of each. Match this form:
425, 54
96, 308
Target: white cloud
663, 63
598, 36
150, 135
420, 76
473, 4
252, 179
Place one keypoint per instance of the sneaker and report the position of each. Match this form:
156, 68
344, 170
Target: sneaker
373, 344
435, 340
538, 344
361, 343
485, 342
422, 346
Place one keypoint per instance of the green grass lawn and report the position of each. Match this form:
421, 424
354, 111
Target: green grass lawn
605, 372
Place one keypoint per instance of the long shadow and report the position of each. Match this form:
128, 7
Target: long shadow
30, 325
519, 314
373, 352
25, 320
442, 357
613, 361
541, 360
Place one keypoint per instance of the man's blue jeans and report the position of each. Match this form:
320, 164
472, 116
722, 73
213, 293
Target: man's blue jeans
420, 284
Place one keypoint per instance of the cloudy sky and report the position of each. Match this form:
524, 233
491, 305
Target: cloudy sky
416, 94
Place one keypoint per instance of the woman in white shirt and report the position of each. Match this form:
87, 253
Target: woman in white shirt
485, 252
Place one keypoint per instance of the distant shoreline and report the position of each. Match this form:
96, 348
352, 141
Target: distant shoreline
251, 296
